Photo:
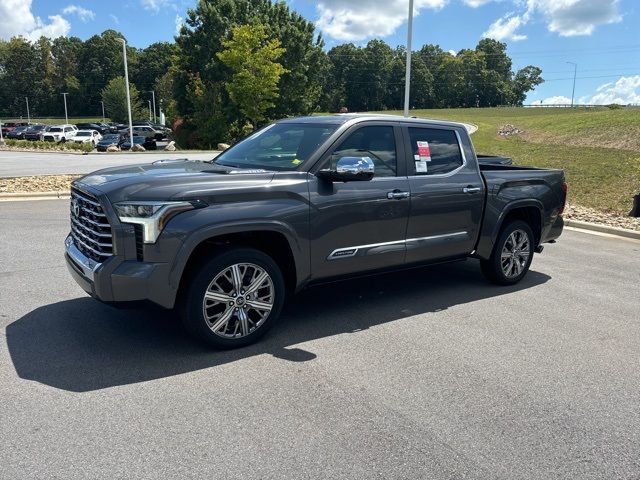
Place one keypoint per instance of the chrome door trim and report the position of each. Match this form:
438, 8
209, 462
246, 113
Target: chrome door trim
385, 247
452, 172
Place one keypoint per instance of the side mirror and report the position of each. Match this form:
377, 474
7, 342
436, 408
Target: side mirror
350, 169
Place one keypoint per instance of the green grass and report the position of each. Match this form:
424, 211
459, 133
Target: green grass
598, 148
56, 120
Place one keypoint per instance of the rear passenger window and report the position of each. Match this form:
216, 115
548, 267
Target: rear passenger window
435, 151
376, 142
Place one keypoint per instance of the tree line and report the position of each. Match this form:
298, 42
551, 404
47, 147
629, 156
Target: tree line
236, 64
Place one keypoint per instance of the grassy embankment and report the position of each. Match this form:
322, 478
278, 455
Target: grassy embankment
599, 149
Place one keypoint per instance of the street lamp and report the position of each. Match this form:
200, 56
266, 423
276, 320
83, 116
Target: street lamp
103, 117
575, 70
153, 95
407, 78
150, 116
66, 115
26, 99
126, 84
1, 139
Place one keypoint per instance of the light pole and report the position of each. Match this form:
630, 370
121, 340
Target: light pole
153, 95
126, 84
66, 115
150, 116
26, 99
575, 70
407, 78
1, 139
103, 117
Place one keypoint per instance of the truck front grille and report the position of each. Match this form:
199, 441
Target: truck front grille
90, 227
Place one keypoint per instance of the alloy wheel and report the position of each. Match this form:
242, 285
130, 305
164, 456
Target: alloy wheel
515, 253
238, 300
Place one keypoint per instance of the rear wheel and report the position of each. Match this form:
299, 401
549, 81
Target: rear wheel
234, 298
511, 256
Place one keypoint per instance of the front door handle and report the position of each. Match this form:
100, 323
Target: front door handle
471, 189
398, 195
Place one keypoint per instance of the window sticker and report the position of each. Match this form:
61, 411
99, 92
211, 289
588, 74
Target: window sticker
416, 157
421, 167
423, 151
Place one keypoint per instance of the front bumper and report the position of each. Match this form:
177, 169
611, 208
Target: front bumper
117, 280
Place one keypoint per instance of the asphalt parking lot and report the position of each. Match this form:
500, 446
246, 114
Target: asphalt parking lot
17, 164
432, 373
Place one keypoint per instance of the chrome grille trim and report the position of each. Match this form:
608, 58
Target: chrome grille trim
90, 228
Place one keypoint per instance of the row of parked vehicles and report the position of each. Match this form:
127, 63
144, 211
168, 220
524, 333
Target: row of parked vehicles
100, 135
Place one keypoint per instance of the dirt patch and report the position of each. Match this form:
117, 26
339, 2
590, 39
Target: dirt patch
39, 183
585, 214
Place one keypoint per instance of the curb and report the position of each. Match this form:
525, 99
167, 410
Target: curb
597, 227
16, 197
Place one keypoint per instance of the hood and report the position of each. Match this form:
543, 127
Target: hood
173, 180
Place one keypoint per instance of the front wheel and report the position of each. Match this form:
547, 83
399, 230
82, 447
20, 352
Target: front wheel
234, 298
511, 256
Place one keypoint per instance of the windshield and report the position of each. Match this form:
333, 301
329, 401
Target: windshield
110, 138
280, 146
55, 129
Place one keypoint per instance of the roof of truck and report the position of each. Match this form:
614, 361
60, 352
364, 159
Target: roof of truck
341, 118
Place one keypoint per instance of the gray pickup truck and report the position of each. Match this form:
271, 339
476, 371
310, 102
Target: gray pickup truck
300, 202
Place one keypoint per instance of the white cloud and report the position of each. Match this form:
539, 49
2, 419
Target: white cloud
555, 100
567, 18
179, 22
347, 20
577, 17
476, 3
156, 5
624, 91
505, 28
115, 19
16, 18
83, 14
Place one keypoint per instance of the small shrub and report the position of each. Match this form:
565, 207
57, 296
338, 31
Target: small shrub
615, 106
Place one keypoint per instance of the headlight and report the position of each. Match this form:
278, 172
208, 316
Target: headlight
153, 216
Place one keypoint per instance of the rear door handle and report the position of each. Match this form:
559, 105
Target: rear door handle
398, 195
471, 189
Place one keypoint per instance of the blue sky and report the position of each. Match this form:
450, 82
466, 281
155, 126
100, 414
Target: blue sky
601, 36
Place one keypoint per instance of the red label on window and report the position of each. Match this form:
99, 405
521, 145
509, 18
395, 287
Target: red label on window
424, 152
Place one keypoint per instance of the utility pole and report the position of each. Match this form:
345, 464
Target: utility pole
575, 70
153, 95
126, 84
150, 116
103, 117
66, 115
407, 78
28, 113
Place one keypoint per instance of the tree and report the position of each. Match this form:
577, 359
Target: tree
525, 80
114, 96
252, 58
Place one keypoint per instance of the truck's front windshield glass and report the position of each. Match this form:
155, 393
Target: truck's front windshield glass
281, 146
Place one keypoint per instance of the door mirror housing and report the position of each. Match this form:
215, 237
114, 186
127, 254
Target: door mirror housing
350, 169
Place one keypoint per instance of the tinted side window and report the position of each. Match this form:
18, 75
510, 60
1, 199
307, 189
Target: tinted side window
434, 151
376, 142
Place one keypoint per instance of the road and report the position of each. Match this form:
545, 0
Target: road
19, 164
428, 374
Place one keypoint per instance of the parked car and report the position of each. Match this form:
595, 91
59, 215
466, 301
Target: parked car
147, 143
93, 126
59, 133
35, 132
9, 126
17, 133
149, 132
86, 136
108, 140
303, 201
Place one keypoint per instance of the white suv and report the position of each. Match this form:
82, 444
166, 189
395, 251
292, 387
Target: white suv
59, 133
87, 136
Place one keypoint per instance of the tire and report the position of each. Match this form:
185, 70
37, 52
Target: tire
514, 267
224, 328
